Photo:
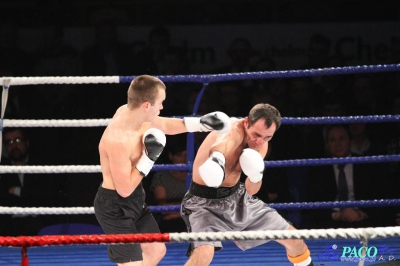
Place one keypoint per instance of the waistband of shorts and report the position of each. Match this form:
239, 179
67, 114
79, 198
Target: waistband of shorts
113, 194
212, 193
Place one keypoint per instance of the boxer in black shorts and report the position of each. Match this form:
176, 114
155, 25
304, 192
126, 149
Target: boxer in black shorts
118, 215
131, 143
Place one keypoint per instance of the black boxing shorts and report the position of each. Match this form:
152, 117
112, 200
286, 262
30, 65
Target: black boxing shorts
118, 215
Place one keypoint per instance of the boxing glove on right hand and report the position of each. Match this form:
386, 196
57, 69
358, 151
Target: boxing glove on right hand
252, 165
212, 171
215, 121
154, 142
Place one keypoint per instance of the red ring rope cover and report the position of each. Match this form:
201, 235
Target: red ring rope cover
31, 241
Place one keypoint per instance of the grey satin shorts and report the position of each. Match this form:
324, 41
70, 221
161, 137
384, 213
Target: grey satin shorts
206, 209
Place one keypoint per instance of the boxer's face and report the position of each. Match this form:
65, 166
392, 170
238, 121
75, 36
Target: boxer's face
258, 133
158, 104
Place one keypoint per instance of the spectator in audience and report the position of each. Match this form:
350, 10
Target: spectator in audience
169, 187
26, 190
325, 183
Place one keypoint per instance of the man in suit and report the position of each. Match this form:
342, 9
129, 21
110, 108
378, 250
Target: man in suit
24, 190
342, 183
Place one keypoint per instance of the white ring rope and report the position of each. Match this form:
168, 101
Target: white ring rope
48, 169
359, 233
60, 80
46, 210
56, 123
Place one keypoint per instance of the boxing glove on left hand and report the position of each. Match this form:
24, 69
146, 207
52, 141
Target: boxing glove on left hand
252, 165
154, 142
215, 121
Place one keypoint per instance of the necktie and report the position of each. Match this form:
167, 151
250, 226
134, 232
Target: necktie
342, 183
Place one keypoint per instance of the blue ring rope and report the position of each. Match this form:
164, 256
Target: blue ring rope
208, 78
306, 205
297, 162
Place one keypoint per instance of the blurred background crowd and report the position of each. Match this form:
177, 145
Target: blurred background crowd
157, 54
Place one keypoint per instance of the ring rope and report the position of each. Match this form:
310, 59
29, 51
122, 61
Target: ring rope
359, 233
176, 208
285, 121
47, 169
208, 77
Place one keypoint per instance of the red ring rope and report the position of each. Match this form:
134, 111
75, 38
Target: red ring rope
30, 241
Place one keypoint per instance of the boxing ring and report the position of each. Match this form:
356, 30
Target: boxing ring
326, 245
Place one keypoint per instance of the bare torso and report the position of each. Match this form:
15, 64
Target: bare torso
115, 135
237, 142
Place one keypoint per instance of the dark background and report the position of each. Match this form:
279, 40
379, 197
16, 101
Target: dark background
78, 12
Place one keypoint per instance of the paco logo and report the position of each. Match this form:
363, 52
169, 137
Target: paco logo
362, 253
355, 254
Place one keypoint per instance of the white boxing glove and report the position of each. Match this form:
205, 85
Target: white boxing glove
212, 171
215, 121
252, 165
154, 142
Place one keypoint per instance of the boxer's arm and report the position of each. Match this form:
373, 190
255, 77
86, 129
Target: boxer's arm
170, 126
215, 121
126, 178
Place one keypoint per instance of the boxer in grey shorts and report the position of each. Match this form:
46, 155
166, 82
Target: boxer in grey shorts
218, 202
206, 209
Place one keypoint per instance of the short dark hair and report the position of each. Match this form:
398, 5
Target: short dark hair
143, 88
267, 112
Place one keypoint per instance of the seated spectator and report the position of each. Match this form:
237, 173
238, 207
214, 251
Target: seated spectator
26, 190
342, 183
169, 187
